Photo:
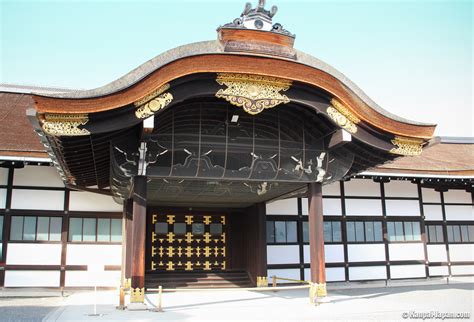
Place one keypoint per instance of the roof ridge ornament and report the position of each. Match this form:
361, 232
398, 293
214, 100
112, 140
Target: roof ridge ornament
258, 18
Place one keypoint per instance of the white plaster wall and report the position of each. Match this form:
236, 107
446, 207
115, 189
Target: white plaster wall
409, 251
407, 271
361, 187
85, 279
437, 253
37, 199
81, 254
34, 254
3, 198
396, 188
293, 273
333, 274
37, 176
438, 271
430, 195
32, 278
304, 206
86, 201
283, 207
366, 253
332, 189
459, 212
361, 207
461, 252
3, 176
402, 207
457, 196
462, 270
367, 273
332, 207
287, 254
433, 212
332, 253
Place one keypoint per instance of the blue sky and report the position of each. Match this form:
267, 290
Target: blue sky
414, 58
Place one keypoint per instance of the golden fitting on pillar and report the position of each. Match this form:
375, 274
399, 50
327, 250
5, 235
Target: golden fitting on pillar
127, 283
262, 281
316, 291
137, 295
321, 290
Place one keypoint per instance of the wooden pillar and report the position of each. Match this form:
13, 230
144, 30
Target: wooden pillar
316, 238
261, 244
128, 229
137, 293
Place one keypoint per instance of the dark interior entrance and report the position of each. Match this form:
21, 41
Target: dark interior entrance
199, 248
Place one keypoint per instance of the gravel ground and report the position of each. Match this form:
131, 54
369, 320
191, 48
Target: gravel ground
21, 309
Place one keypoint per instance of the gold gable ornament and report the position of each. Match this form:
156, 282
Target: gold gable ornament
153, 102
253, 93
343, 116
65, 124
407, 146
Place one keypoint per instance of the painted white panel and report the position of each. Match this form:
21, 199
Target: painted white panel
333, 189
285, 273
332, 207
430, 195
402, 207
283, 207
85, 278
461, 252
398, 188
333, 274
288, 254
367, 273
94, 254
409, 251
437, 253
3, 176
362, 187
457, 196
459, 212
34, 254
3, 198
433, 212
304, 206
332, 253
361, 207
37, 199
366, 253
37, 176
407, 271
462, 270
86, 201
32, 278
439, 271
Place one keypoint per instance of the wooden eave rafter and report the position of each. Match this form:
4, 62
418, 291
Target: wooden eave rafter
232, 63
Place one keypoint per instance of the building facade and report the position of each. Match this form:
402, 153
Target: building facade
223, 163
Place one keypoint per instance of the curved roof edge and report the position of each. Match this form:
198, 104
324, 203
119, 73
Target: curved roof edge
214, 47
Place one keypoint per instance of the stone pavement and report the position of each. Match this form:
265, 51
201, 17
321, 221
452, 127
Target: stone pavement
27, 309
369, 303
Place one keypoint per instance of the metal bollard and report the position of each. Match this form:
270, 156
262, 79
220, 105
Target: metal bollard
274, 281
159, 307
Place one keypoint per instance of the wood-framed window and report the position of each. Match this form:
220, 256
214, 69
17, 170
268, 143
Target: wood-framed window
460, 233
434, 234
92, 229
364, 231
281, 232
332, 232
403, 231
35, 228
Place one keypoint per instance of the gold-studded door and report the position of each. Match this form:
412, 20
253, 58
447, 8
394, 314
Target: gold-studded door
188, 242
